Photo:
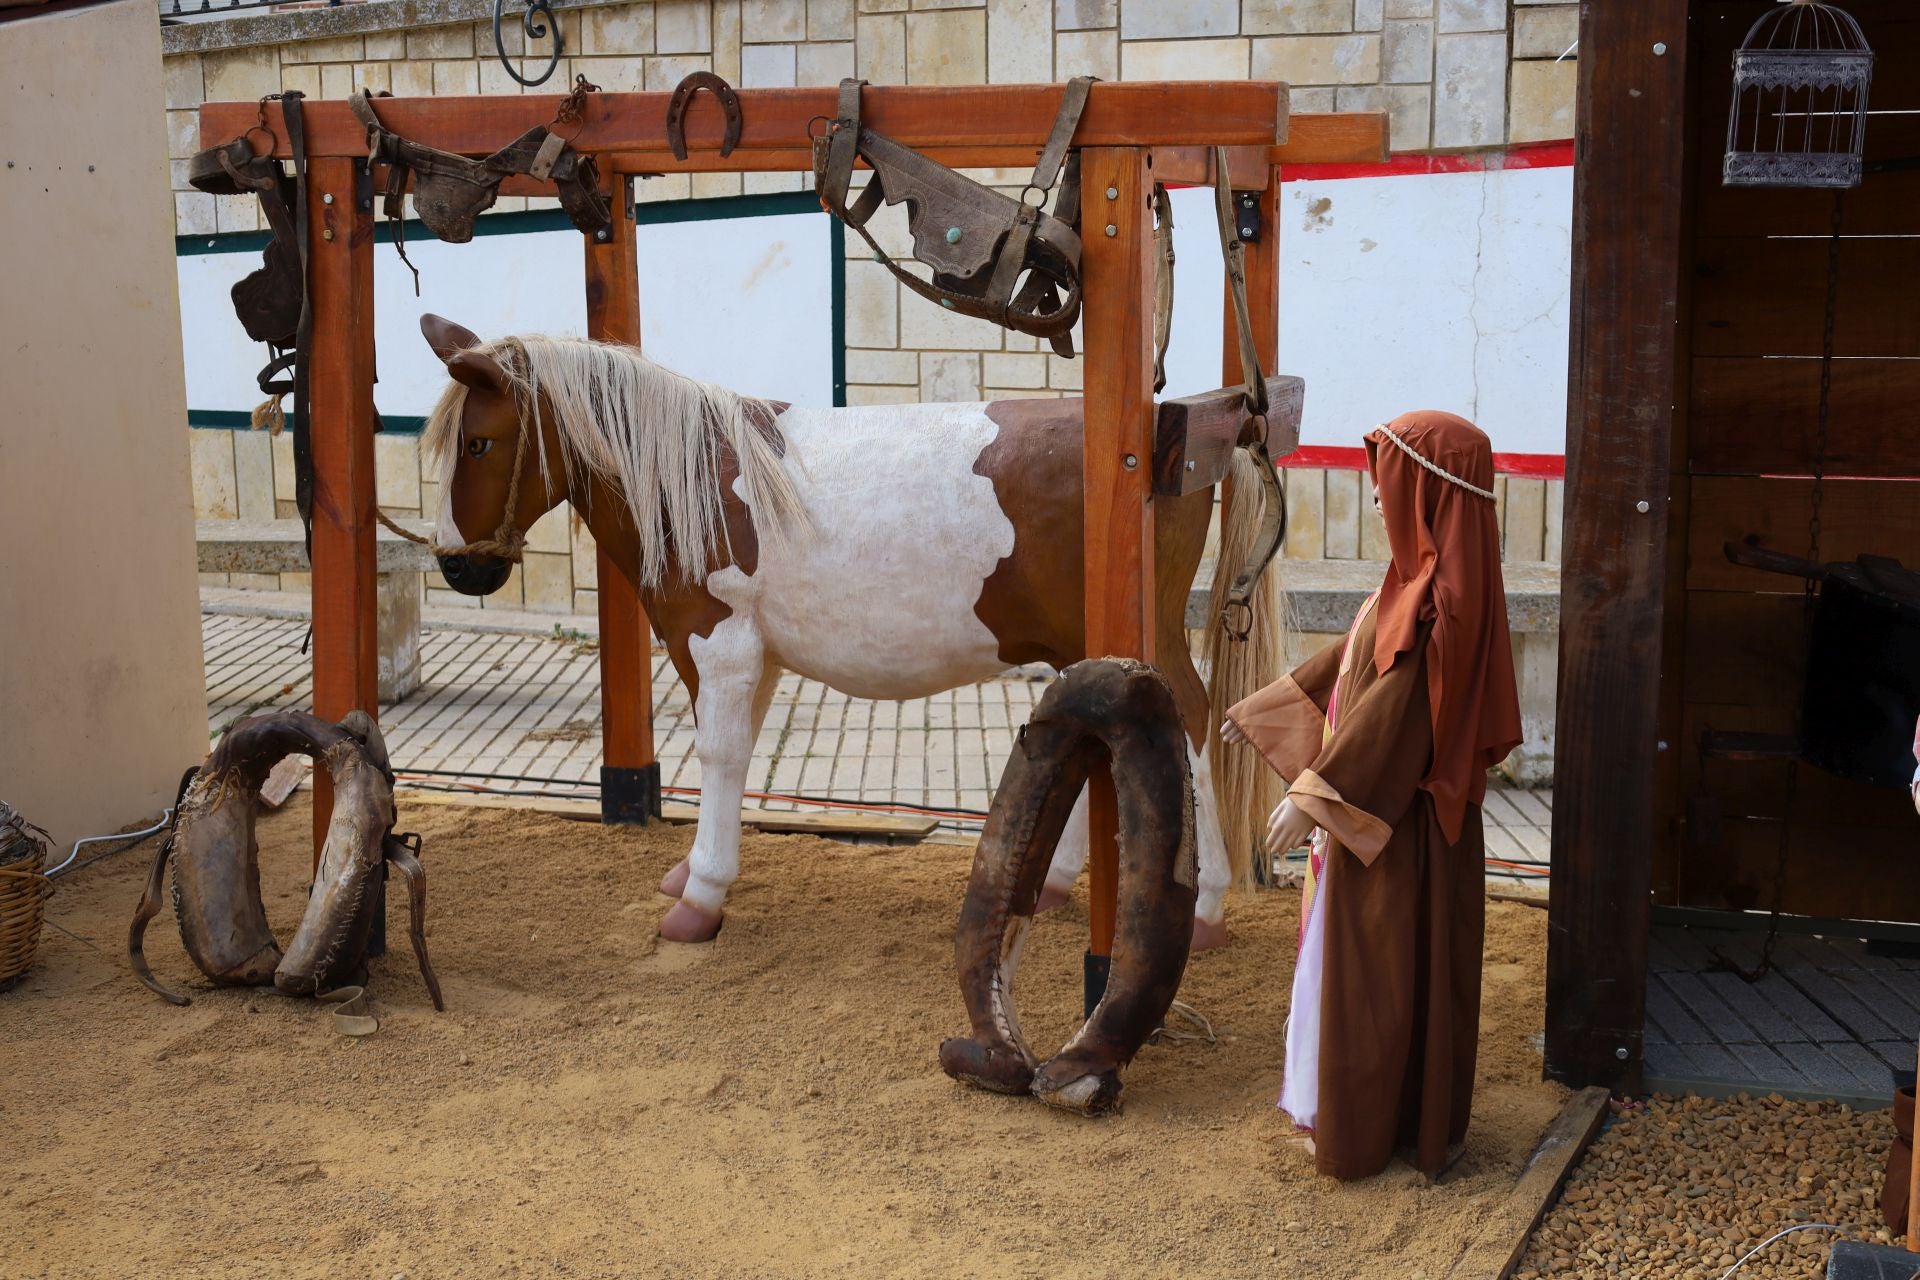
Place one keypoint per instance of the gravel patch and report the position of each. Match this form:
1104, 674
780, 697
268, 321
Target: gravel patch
1684, 1187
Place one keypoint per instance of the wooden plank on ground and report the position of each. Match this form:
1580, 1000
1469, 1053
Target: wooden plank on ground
1502, 1240
778, 821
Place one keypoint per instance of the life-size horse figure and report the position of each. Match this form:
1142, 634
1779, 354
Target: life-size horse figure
889, 552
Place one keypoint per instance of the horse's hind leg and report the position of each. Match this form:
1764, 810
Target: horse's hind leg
732, 664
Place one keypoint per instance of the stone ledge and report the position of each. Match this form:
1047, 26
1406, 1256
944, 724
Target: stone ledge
295, 25
279, 546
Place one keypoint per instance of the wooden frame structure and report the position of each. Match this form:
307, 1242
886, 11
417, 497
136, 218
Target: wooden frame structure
1697, 334
1129, 136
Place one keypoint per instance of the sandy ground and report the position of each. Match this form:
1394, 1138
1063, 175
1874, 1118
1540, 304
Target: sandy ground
596, 1103
1686, 1187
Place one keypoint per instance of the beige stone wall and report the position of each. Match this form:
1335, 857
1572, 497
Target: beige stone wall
100, 669
1453, 74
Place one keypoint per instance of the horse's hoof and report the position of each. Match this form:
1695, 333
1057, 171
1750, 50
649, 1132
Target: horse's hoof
688, 923
1092, 1094
674, 883
1208, 936
1051, 897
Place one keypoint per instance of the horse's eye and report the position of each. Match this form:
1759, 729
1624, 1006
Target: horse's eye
478, 446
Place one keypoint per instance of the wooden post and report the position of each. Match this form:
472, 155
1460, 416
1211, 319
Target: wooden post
1117, 527
629, 773
345, 611
1626, 254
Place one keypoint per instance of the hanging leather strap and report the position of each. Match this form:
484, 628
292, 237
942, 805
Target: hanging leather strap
1236, 613
292, 112
1235, 253
1162, 284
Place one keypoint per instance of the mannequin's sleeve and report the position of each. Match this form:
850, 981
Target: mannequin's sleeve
1361, 785
1287, 721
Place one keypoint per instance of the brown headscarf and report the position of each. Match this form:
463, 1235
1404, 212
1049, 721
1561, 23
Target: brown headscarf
1445, 542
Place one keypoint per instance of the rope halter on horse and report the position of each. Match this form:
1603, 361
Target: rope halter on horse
508, 541
1433, 466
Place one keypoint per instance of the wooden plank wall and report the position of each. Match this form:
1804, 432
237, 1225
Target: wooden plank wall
1749, 378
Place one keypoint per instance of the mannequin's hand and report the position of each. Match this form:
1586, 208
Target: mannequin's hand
1288, 828
1231, 734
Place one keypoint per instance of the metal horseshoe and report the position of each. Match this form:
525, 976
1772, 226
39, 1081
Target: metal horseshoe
683, 96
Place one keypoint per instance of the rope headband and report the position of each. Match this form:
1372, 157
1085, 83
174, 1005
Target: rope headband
1433, 466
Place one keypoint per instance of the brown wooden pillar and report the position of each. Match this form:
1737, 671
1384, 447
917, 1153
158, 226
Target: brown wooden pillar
1626, 280
629, 773
1118, 453
345, 611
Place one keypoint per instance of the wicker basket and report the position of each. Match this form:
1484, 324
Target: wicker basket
23, 894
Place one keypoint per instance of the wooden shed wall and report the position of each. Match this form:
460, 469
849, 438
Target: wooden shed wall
1753, 298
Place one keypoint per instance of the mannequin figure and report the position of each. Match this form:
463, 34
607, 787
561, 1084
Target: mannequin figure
1385, 739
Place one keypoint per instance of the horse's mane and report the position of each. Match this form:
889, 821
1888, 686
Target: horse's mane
654, 435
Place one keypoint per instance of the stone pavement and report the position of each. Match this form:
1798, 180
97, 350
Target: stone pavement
522, 697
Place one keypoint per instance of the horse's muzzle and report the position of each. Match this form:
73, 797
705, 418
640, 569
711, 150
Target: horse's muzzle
475, 575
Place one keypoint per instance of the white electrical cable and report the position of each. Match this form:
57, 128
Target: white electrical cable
1779, 1235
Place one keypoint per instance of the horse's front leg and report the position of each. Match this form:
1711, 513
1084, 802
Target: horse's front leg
1216, 873
732, 665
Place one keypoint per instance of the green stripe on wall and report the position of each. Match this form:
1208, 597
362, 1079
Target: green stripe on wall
529, 222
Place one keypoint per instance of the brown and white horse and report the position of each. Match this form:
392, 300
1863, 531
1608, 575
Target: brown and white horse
889, 552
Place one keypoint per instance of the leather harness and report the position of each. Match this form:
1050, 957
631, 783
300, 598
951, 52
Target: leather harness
977, 241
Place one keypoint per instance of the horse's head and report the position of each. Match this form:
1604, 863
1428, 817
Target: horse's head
494, 481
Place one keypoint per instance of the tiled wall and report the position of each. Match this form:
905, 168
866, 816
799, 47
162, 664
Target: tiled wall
1453, 74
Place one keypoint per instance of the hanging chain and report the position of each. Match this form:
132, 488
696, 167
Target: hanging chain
1811, 598
575, 103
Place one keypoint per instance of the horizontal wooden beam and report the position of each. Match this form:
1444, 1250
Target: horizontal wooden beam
1347, 137
1006, 123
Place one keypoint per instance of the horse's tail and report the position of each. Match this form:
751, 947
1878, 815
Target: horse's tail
1245, 788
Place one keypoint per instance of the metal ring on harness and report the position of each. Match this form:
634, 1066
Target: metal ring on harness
1242, 631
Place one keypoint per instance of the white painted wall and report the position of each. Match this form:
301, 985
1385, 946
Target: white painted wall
1431, 291
745, 302
100, 668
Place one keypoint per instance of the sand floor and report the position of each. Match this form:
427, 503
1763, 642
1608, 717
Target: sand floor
597, 1103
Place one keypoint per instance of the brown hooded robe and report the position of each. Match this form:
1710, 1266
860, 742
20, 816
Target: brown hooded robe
1430, 663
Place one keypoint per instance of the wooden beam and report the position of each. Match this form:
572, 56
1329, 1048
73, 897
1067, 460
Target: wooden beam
1194, 436
1117, 529
629, 772
1626, 281
1345, 137
345, 610
1004, 122
1502, 1240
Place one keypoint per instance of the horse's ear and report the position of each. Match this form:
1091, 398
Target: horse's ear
445, 337
479, 371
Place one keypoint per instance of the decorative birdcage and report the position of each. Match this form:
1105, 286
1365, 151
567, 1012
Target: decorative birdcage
1799, 116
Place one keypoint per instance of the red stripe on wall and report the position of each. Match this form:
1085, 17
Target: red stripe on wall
1540, 466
